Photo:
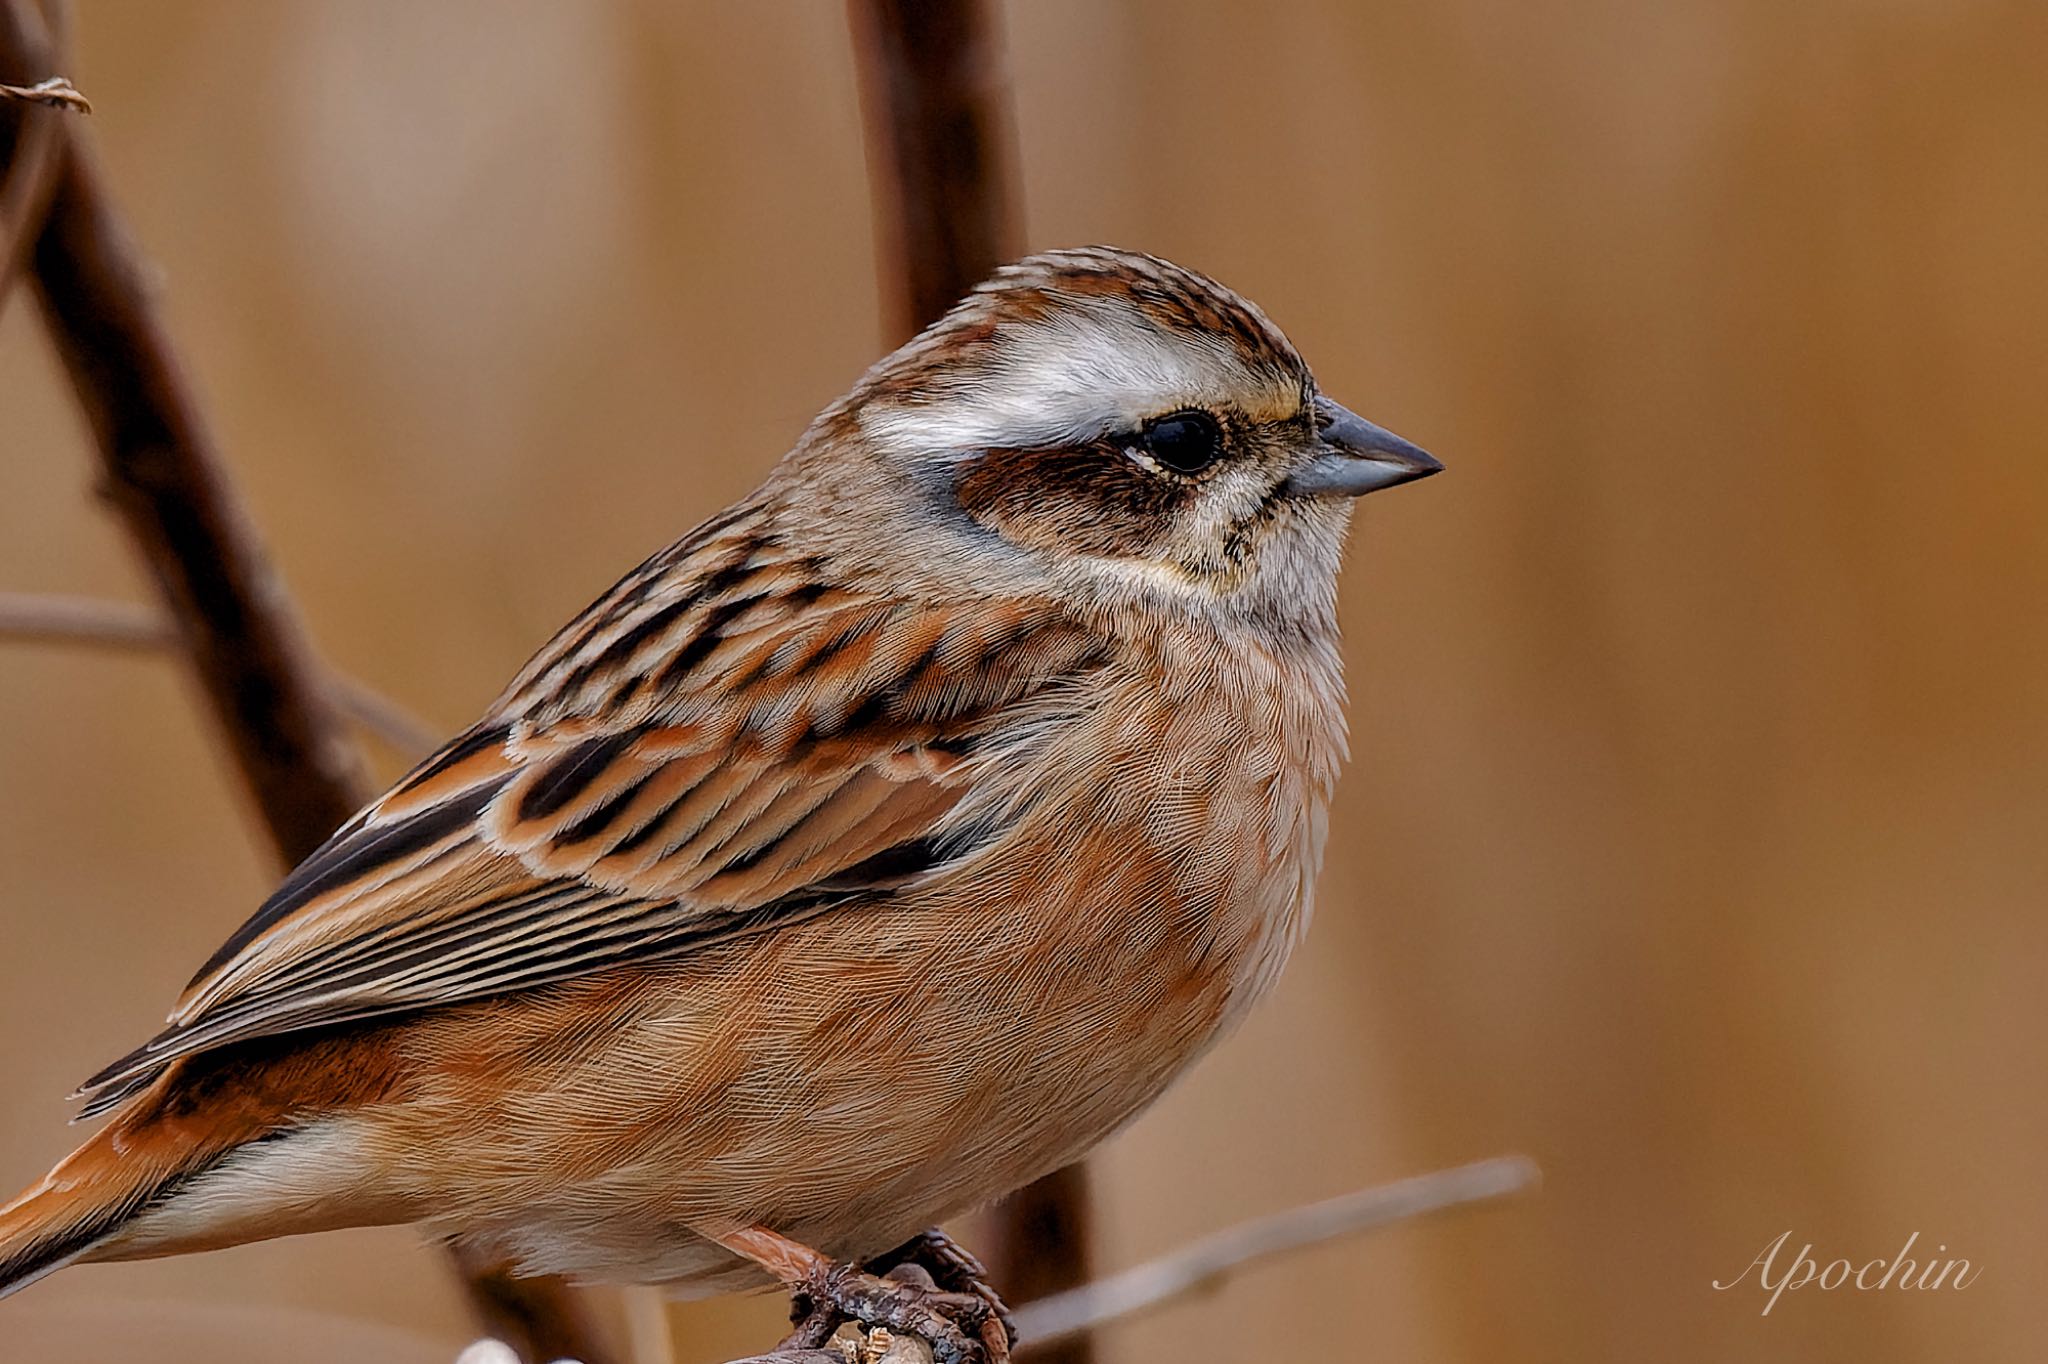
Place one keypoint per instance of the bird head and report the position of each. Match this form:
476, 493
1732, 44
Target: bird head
1124, 428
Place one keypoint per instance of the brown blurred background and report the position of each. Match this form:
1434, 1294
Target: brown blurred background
1697, 832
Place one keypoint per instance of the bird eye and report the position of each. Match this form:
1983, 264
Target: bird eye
1185, 442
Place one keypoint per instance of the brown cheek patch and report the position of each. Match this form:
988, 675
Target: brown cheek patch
1090, 499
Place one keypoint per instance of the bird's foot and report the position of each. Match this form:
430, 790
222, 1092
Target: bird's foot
954, 1268
961, 1327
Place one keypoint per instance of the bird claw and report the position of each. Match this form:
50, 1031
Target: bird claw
954, 1267
956, 1324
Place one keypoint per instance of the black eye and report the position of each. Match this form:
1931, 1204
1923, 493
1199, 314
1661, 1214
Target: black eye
1186, 442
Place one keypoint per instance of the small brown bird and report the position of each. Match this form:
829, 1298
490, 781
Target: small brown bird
883, 844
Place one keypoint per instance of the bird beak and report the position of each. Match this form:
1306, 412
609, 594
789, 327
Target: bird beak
1356, 458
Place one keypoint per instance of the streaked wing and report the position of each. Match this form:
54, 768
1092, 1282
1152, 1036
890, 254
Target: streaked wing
722, 743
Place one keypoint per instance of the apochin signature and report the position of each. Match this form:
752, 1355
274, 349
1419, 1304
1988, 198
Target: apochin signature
1871, 1276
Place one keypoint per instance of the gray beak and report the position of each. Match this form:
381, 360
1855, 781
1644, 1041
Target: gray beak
1356, 458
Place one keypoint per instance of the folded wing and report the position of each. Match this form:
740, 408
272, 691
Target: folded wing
723, 743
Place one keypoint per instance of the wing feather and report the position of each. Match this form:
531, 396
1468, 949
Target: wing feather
723, 743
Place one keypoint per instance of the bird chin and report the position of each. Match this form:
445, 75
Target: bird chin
1294, 577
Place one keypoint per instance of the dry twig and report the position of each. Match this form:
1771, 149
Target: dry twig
163, 475
1206, 1263
940, 155
55, 92
28, 142
39, 618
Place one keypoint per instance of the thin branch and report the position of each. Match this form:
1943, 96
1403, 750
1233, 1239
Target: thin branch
46, 618
55, 92
851, 1344
163, 475
1042, 1247
129, 627
1206, 1263
408, 735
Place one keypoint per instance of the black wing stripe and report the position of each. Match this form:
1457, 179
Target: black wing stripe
359, 960
605, 815
468, 746
569, 775
353, 856
621, 649
708, 637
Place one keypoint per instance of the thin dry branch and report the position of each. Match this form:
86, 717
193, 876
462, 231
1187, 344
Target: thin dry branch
54, 92
47, 618
1208, 1262
163, 475
852, 1345
1042, 1246
129, 627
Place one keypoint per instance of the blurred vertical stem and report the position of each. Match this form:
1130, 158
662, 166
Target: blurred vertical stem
162, 473
1041, 1248
942, 159
941, 151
